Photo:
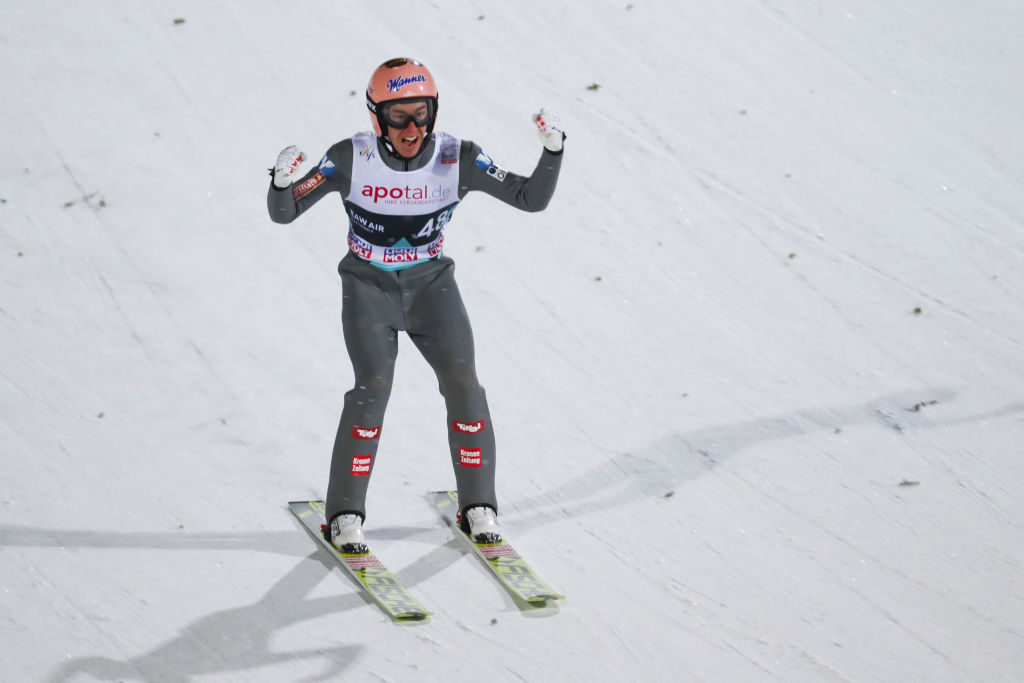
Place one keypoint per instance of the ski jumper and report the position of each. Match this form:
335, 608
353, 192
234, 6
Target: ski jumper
395, 278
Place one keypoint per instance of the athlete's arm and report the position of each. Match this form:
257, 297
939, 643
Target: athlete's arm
478, 172
332, 174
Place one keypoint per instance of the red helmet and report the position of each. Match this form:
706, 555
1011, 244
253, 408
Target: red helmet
400, 79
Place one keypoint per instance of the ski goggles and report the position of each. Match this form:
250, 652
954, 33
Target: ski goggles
418, 110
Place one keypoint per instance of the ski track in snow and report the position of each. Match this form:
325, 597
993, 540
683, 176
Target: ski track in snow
736, 197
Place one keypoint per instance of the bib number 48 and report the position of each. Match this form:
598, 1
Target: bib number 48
435, 224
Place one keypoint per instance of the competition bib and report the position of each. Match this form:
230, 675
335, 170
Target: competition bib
397, 218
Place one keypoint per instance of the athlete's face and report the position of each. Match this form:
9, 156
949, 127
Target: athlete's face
409, 139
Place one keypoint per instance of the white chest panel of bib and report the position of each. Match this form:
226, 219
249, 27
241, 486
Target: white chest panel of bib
397, 218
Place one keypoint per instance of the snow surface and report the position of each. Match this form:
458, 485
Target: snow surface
757, 373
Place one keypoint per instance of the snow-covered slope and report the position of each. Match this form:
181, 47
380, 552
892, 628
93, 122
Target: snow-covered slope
756, 373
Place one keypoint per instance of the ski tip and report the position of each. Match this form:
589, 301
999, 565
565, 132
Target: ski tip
412, 616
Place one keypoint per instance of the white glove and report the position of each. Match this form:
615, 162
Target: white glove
288, 163
549, 127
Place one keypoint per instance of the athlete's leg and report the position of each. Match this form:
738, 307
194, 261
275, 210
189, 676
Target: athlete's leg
439, 326
371, 316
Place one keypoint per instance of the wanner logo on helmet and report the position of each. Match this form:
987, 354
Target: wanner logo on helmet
396, 84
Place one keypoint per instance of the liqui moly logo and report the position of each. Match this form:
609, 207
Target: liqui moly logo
399, 254
365, 433
435, 248
361, 465
470, 457
396, 84
468, 427
359, 247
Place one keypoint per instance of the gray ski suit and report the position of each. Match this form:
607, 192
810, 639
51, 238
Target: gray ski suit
395, 278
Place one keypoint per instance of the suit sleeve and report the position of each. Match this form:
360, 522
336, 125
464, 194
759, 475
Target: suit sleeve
332, 174
478, 172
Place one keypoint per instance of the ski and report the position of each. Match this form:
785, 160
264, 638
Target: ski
366, 568
505, 563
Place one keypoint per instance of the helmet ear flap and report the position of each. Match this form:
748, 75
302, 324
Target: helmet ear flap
376, 118
433, 115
